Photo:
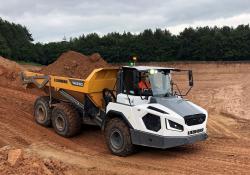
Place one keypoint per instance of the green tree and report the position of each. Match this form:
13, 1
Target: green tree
4, 49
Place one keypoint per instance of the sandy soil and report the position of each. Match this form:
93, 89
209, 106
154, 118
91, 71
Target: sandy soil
222, 89
74, 64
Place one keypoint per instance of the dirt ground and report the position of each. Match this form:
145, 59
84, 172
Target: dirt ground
222, 89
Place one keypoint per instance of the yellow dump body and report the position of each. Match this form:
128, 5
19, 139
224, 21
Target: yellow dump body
92, 86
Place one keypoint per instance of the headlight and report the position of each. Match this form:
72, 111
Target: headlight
174, 126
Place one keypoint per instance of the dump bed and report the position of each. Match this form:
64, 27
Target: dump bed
92, 86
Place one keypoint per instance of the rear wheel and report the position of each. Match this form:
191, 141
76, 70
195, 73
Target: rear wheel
42, 111
66, 120
118, 137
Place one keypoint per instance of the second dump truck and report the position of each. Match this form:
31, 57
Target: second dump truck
111, 98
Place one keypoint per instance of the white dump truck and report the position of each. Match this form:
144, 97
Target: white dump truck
133, 105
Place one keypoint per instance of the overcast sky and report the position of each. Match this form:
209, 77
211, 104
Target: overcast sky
51, 20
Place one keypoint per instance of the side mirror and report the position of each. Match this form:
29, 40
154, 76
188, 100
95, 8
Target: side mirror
190, 78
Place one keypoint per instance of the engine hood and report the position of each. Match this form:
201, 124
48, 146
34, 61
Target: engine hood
178, 105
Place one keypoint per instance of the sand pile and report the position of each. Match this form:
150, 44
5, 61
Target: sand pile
74, 64
9, 73
9, 69
18, 161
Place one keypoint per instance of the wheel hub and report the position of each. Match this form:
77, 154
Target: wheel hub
60, 122
41, 113
116, 139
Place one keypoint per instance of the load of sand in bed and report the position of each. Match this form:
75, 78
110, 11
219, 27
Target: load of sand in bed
74, 64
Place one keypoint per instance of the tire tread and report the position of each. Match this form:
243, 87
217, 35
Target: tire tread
119, 123
44, 100
72, 116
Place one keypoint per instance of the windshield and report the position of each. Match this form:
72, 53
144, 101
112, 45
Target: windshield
160, 84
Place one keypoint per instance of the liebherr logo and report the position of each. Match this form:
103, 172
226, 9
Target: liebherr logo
76, 82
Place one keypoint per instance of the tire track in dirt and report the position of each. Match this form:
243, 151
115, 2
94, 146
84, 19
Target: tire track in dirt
222, 130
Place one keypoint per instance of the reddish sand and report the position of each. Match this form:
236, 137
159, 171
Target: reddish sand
74, 64
9, 73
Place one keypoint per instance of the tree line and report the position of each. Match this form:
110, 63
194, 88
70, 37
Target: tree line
201, 44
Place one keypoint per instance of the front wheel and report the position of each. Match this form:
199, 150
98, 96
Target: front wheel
118, 138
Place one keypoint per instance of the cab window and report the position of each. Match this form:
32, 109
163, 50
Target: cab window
128, 79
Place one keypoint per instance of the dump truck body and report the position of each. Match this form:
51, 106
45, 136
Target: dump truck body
111, 98
92, 86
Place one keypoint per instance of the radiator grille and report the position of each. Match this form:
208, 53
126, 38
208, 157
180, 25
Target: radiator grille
195, 119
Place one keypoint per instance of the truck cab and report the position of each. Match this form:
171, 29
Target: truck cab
154, 114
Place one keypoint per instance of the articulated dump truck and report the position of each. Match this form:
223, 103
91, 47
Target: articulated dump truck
133, 105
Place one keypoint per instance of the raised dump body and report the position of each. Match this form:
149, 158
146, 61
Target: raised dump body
92, 86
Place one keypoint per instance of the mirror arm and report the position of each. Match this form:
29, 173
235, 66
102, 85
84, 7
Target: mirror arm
191, 84
178, 89
187, 91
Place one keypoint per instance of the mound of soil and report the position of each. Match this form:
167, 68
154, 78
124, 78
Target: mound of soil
9, 73
74, 64
13, 163
9, 69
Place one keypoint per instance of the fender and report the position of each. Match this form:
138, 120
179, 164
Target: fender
112, 114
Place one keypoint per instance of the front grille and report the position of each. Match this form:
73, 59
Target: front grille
195, 119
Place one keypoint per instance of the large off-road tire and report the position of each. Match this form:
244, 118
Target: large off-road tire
42, 111
66, 120
118, 139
